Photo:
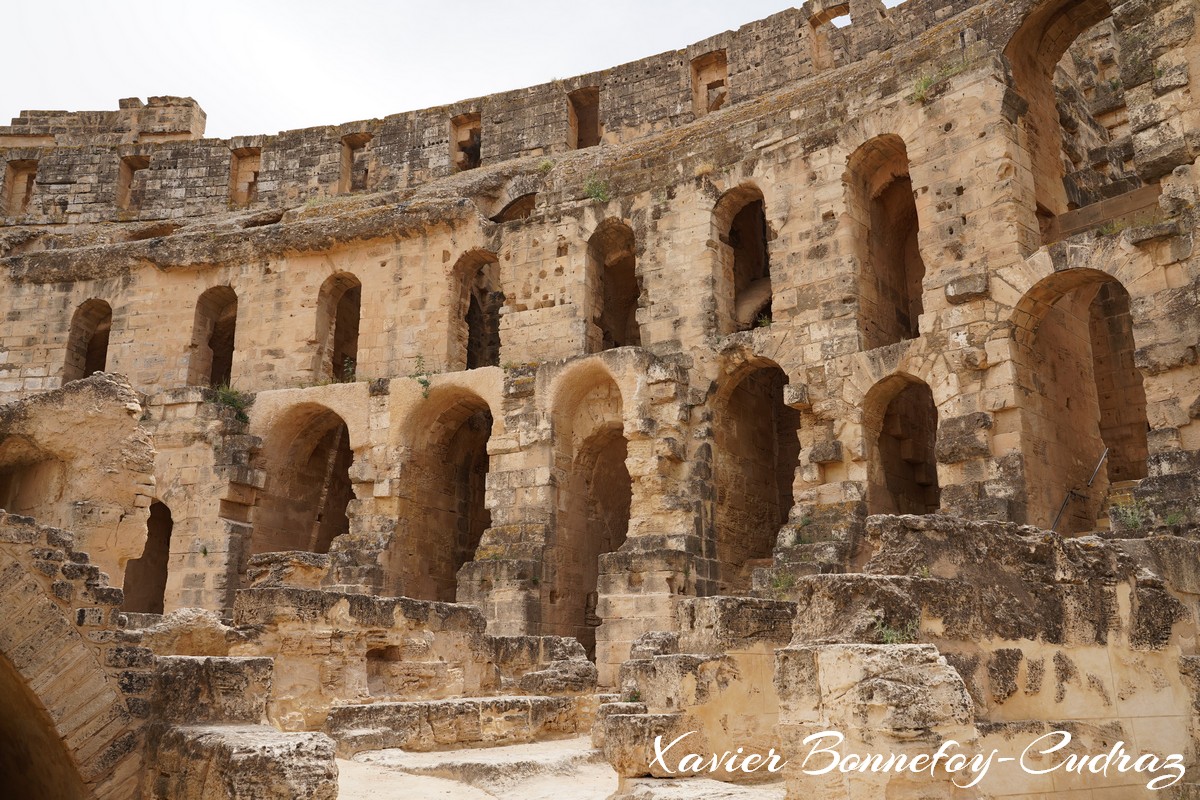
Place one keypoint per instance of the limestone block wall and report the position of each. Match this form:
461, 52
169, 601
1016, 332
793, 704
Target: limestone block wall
331, 649
75, 698
572, 386
78, 458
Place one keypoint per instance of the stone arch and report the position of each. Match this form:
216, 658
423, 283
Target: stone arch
146, 576
882, 214
213, 332
614, 287
339, 310
743, 268
756, 453
446, 478
1073, 348
307, 456
593, 499
66, 727
475, 311
87, 342
900, 421
1036, 54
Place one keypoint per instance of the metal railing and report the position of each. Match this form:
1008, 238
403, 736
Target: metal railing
1079, 492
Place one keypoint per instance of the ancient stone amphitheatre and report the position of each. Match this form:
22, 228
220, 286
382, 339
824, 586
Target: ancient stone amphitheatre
836, 373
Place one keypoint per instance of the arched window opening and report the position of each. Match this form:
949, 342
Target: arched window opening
307, 459
448, 514
475, 329
1067, 64
744, 258
755, 460
338, 308
883, 211
1075, 358
612, 266
146, 577
213, 338
87, 343
519, 208
902, 420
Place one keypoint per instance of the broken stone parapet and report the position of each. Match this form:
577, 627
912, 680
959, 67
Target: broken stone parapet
451, 724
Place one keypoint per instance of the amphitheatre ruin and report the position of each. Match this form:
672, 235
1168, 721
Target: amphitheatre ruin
836, 373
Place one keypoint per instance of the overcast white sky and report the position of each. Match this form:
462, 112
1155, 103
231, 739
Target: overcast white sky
262, 66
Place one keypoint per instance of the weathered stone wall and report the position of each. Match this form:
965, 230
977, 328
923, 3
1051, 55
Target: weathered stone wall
78, 458
932, 641
75, 698
857, 282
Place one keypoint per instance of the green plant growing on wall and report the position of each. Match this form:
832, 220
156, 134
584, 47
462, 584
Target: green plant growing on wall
421, 376
545, 165
923, 86
906, 634
226, 395
597, 189
782, 583
1130, 516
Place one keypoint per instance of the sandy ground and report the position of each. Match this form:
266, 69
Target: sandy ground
559, 770
554, 770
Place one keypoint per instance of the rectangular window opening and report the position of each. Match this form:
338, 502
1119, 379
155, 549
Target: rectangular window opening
710, 82
129, 188
466, 135
355, 171
584, 113
19, 180
247, 162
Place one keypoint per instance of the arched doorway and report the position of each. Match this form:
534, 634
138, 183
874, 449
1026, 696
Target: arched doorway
744, 261
446, 512
1067, 64
594, 499
1083, 396
339, 307
755, 459
883, 215
146, 577
900, 422
307, 458
213, 334
475, 329
87, 343
616, 292
34, 765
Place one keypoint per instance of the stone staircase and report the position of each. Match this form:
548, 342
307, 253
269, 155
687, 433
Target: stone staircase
718, 666
1119, 494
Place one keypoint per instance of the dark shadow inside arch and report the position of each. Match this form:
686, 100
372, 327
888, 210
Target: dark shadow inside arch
146, 577
304, 504
34, 765
1076, 367
756, 456
903, 467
